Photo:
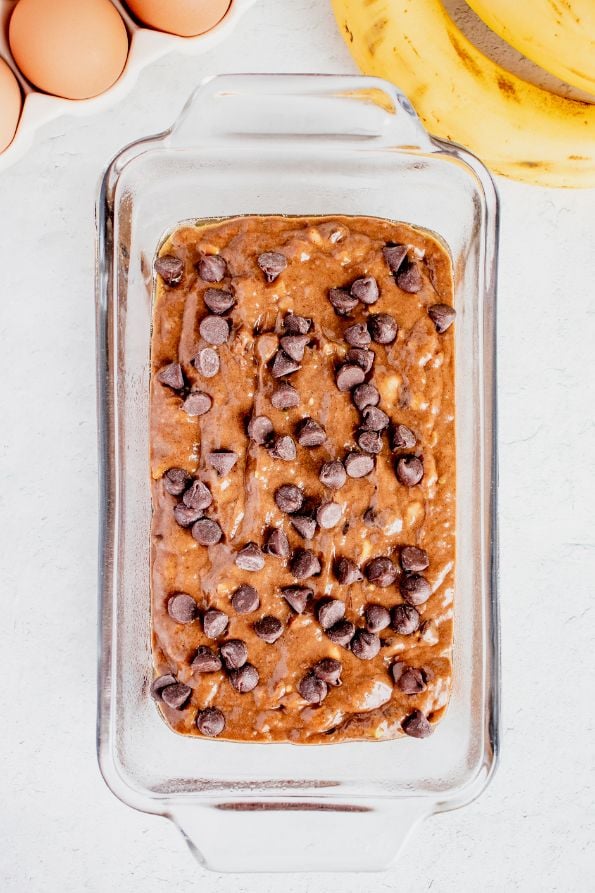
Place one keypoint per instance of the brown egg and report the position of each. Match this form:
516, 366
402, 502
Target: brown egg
10, 105
71, 48
185, 17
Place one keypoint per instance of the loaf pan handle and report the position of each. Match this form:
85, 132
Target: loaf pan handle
281, 836
231, 109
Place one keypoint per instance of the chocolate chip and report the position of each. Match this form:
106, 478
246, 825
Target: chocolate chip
289, 498
365, 290
283, 447
365, 644
330, 612
304, 564
170, 268
366, 395
297, 325
245, 599
347, 572
214, 329
312, 689
283, 365
403, 438
371, 518
207, 532
272, 264
234, 653
329, 670
394, 256
414, 559
172, 376
415, 589
381, 571
207, 362
358, 465
349, 376
359, 357
160, 683
377, 618
397, 670
277, 543
294, 346
176, 696
218, 300
269, 629
214, 623
416, 725
197, 496
442, 316
304, 525
410, 471
357, 335
375, 419
222, 461
182, 608
260, 429
197, 403
409, 680
409, 277
333, 475
343, 303
329, 514
341, 633
297, 597
211, 268
250, 558
185, 515
405, 619
210, 722
245, 679
205, 661
310, 433
285, 396
369, 441
175, 481
383, 328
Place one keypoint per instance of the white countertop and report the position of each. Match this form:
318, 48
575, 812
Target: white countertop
61, 829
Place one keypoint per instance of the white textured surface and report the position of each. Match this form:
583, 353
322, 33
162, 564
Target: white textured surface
61, 829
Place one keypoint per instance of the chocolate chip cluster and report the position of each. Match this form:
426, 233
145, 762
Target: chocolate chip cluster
215, 329
231, 656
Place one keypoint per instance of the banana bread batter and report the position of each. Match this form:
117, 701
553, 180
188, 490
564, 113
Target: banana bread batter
303, 479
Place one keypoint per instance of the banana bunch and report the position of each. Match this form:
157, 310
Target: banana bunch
516, 128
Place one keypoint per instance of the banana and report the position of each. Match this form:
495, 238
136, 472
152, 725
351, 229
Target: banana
516, 128
559, 35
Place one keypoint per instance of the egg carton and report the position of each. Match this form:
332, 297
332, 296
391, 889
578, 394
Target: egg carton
145, 46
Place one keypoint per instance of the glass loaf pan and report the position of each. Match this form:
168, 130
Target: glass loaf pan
304, 145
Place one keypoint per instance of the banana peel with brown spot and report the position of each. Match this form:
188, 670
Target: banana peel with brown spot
518, 129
